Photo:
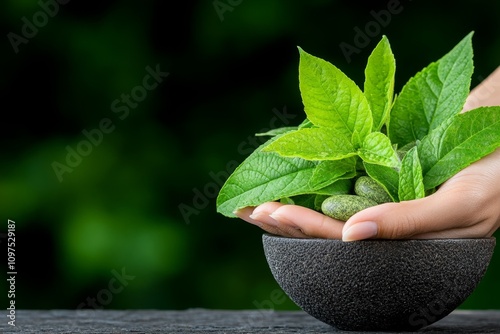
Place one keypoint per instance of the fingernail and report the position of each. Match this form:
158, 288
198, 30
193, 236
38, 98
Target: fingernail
276, 217
253, 216
259, 211
263, 218
360, 231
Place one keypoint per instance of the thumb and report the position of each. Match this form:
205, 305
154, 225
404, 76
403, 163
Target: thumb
433, 213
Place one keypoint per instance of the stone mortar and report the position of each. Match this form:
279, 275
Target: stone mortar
378, 285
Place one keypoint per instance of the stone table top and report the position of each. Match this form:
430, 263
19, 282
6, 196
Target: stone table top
214, 321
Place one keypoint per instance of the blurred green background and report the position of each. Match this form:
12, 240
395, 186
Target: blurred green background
132, 222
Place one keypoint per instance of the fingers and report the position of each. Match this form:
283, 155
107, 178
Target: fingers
267, 226
442, 215
312, 223
426, 217
264, 213
292, 221
465, 206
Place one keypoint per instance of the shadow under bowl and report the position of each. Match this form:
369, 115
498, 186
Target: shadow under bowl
378, 285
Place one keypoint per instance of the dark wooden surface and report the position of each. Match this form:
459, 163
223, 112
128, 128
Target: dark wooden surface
214, 321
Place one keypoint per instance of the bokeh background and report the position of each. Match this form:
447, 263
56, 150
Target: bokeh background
140, 202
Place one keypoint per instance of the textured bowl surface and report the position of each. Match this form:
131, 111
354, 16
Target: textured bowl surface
384, 285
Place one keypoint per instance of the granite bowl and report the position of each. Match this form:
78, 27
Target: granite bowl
378, 285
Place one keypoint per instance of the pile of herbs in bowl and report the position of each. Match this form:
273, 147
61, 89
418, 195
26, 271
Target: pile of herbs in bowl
357, 148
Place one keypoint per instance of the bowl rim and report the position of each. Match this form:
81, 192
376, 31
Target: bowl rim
275, 236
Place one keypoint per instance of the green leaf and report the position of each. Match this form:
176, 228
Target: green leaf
288, 200
339, 187
459, 142
379, 82
387, 177
401, 152
313, 144
306, 124
277, 131
306, 200
356, 139
330, 171
264, 177
377, 149
314, 199
331, 99
411, 181
433, 95
268, 176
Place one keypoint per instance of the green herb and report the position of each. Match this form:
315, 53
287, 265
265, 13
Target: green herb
408, 144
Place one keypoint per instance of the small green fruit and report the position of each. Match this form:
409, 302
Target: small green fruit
342, 207
367, 187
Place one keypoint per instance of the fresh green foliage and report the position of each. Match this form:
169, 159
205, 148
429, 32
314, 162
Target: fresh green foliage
411, 181
432, 96
333, 101
409, 144
267, 176
457, 143
379, 83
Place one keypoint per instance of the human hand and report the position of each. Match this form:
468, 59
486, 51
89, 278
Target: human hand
465, 206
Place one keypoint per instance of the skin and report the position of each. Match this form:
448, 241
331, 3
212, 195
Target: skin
465, 206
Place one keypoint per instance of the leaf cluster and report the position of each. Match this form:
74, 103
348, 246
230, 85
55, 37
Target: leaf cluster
409, 143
